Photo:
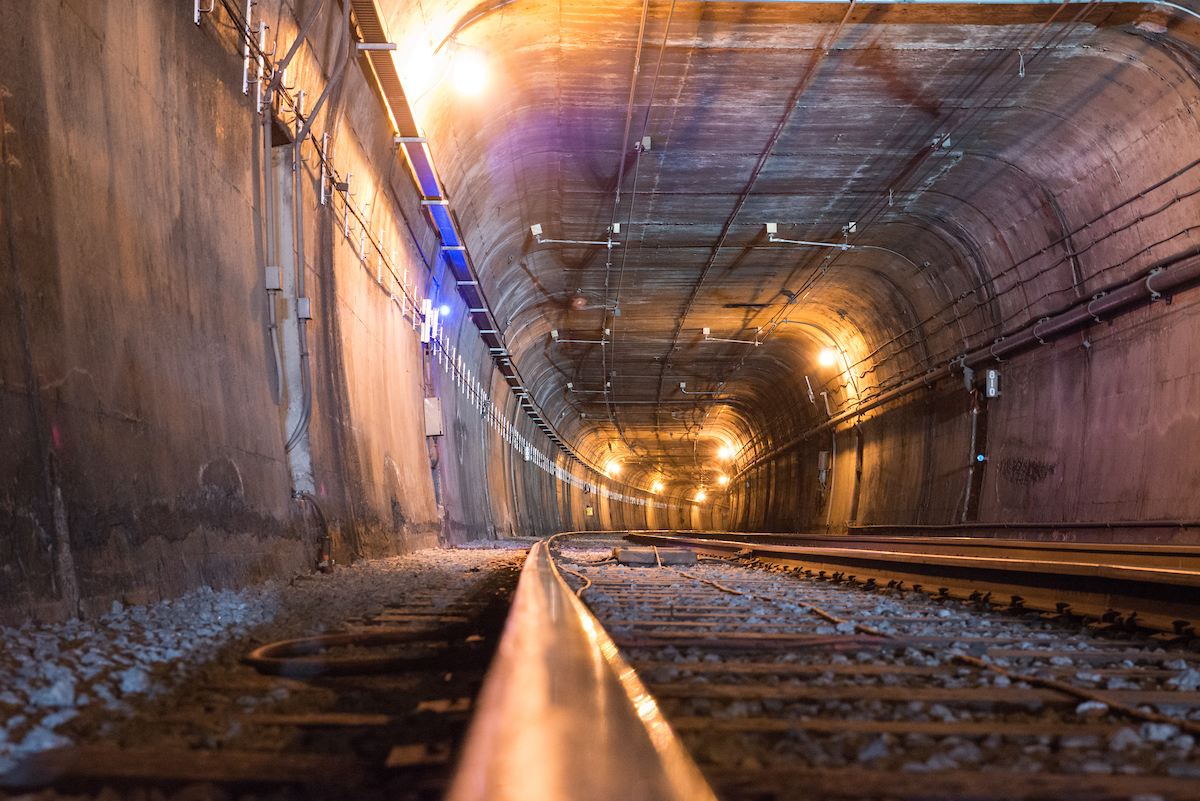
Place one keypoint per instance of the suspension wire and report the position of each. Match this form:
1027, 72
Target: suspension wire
637, 66
637, 163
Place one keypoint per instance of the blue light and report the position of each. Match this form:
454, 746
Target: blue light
981, 458
444, 310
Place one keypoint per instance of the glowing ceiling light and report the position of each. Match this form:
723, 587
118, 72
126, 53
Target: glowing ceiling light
700, 495
725, 453
827, 357
445, 310
722, 480
657, 487
469, 71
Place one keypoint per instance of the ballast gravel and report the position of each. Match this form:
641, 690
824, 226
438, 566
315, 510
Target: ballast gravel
76, 682
1105, 741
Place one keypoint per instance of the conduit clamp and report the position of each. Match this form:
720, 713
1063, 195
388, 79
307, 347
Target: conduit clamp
1035, 330
1095, 298
1155, 295
992, 349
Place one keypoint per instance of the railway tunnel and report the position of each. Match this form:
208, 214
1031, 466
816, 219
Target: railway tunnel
294, 285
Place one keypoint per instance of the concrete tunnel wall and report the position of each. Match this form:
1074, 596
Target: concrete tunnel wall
142, 451
1095, 427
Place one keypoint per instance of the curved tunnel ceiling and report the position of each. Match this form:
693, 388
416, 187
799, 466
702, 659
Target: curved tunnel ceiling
955, 148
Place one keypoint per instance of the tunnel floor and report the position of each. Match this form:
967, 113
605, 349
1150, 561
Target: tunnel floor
159, 701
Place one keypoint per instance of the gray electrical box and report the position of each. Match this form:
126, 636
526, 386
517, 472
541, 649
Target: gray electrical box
993, 384
823, 460
433, 417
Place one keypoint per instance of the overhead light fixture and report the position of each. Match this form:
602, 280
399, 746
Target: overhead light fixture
708, 337
700, 496
827, 357
610, 243
773, 228
725, 453
657, 488
722, 480
445, 310
469, 70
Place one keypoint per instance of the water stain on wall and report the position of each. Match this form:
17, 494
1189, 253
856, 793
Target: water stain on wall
1025, 471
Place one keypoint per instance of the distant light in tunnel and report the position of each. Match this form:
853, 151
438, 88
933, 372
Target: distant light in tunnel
722, 480
445, 310
828, 357
725, 453
469, 71
700, 495
657, 487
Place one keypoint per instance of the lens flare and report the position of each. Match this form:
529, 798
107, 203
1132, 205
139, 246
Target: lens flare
469, 71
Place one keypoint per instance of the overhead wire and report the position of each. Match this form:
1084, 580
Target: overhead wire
639, 150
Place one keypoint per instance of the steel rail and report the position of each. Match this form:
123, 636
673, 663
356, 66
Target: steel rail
562, 717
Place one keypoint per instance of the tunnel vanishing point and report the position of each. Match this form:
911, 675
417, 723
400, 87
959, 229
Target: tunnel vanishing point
308, 280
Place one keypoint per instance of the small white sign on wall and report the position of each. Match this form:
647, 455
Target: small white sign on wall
433, 417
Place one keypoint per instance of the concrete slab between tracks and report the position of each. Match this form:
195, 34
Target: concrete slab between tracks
651, 557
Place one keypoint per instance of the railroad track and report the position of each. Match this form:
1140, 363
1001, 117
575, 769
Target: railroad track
376, 710
782, 686
1112, 586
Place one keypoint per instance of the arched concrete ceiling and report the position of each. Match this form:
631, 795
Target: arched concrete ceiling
963, 142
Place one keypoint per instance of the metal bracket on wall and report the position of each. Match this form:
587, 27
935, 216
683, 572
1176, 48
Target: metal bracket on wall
197, 10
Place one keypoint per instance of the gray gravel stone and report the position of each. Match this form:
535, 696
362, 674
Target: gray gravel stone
877, 749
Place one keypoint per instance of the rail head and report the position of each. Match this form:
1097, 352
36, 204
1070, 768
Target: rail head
562, 716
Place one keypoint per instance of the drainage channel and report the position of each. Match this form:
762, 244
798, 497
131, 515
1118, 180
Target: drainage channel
786, 687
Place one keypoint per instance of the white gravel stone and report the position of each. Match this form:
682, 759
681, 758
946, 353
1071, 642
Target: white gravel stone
1158, 732
1091, 708
1123, 738
1188, 680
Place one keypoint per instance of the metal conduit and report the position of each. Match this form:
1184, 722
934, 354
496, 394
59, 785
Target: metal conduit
1155, 283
